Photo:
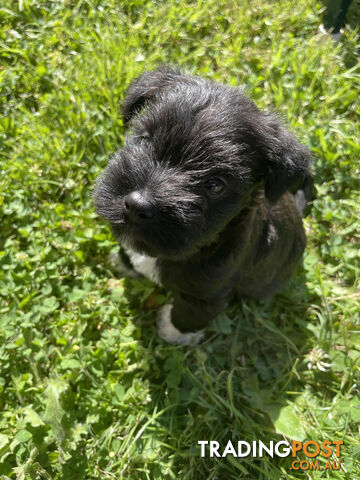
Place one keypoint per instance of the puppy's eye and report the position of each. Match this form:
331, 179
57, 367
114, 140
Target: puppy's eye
215, 185
144, 136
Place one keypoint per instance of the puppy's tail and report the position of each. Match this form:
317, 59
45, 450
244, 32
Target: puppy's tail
304, 197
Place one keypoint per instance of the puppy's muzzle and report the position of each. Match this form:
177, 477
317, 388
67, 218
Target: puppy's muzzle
138, 208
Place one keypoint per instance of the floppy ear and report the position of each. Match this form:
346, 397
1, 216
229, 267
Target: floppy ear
145, 88
286, 162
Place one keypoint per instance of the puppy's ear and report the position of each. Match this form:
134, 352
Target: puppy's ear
286, 162
145, 89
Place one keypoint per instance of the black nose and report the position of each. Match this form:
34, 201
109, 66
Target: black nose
138, 207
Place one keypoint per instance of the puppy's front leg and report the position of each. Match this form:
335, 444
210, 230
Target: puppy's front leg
182, 322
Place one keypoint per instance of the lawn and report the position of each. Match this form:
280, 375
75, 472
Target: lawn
87, 389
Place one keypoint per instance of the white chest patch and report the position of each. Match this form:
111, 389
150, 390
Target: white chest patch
144, 265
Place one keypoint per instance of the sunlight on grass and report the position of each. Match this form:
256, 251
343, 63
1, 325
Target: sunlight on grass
88, 391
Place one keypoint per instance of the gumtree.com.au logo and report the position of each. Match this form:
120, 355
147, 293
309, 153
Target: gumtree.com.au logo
258, 449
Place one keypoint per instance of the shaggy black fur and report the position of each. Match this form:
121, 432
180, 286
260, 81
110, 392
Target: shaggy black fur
210, 186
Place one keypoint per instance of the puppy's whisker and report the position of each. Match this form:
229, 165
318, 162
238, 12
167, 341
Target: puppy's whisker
118, 222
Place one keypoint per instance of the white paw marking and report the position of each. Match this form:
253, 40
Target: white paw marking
171, 334
144, 265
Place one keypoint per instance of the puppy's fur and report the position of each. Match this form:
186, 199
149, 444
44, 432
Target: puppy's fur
211, 189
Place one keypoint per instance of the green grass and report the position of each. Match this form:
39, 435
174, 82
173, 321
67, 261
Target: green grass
88, 391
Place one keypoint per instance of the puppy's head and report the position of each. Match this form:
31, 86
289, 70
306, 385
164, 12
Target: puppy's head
196, 152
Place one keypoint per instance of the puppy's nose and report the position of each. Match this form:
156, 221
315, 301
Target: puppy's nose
138, 207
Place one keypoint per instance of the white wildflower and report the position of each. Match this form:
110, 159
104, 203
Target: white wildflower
318, 359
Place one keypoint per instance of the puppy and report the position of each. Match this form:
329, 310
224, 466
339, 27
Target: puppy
206, 197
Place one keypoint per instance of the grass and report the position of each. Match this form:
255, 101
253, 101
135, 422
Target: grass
88, 391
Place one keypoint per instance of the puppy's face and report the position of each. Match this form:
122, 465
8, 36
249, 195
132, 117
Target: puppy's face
189, 165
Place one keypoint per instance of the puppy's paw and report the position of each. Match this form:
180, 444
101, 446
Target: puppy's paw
171, 334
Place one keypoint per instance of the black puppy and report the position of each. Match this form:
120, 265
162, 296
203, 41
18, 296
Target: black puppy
206, 196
